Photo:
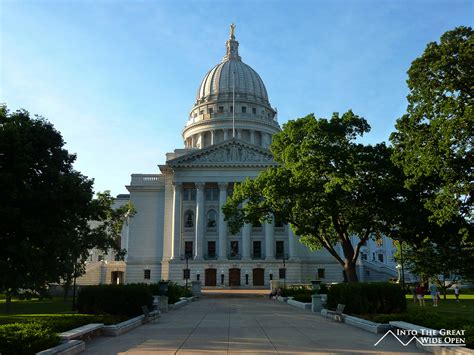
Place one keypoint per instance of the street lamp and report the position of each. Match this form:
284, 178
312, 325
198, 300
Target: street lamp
284, 272
186, 273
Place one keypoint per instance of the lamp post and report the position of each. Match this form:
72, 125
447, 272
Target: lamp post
284, 272
402, 262
186, 273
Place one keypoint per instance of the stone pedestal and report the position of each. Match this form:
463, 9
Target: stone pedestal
196, 288
163, 303
316, 303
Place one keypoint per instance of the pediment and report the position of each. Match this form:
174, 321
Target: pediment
233, 152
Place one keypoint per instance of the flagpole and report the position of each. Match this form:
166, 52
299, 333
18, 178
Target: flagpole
233, 104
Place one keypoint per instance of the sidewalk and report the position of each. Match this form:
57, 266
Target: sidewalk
244, 325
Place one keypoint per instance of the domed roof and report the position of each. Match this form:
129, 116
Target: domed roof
232, 74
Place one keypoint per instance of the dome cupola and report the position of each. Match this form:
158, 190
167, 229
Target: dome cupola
228, 85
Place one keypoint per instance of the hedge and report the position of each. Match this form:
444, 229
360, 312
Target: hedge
367, 298
26, 338
114, 299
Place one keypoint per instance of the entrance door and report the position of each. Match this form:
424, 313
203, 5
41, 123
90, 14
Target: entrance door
258, 279
210, 277
234, 277
117, 277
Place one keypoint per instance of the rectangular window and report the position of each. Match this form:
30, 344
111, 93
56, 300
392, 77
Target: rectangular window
234, 248
186, 274
221, 109
232, 109
210, 110
212, 194
321, 273
244, 109
189, 194
211, 249
188, 249
201, 112
282, 273
280, 248
380, 258
147, 274
254, 110
257, 249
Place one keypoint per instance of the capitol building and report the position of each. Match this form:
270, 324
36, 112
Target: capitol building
179, 220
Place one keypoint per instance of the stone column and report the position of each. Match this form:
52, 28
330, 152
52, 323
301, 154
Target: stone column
292, 243
212, 137
222, 223
200, 221
269, 240
193, 141
201, 140
252, 136
176, 238
226, 134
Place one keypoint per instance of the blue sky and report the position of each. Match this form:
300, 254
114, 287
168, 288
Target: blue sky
118, 78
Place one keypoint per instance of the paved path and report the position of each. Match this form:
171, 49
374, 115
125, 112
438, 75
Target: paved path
244, 325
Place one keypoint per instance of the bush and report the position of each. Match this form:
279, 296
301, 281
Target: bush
299, 293
114, 299
367, 298
26, 338
175, 292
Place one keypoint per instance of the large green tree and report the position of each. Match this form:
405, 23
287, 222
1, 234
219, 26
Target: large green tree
326, 185
46, 206
433, 140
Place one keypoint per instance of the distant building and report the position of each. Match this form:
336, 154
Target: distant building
226, 139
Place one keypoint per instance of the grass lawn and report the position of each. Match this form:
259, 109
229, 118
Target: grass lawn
55, 312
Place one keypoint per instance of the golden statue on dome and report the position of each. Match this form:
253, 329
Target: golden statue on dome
232, 30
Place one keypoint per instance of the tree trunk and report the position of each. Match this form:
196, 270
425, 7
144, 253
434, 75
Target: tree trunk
351, 274
8, 302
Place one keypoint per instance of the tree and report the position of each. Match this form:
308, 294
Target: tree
46, 205
433, 142
445, 262
327, 186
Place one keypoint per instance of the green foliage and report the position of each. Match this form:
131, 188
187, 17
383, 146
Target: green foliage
433, 142
26, 338
327, 186
114, 299
300, 293
176, 291
46, 207
365, 298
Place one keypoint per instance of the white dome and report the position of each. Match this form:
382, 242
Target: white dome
219, 83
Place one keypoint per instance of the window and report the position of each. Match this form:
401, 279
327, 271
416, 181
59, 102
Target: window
211, 219
380, 257
257, 249
211, 249
188, 249
278, 223
254, 110
230, 192
282, 273
232, 109
147, 274
201, 112
244, 109
221, 109
210, 110
280, 248
189, 194
212, 194
321, 273
188, 219
234, 248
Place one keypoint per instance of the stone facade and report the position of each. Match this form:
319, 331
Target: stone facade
179, 220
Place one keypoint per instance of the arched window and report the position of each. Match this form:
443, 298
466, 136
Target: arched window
188, 219
211, 219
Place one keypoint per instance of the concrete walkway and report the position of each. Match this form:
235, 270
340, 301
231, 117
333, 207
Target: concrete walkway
244, 325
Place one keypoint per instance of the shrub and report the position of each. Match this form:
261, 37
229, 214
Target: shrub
366, 298
175, 292
300, 293
114, 299
26, 338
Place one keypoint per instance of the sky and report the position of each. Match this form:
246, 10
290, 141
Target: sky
119, 78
